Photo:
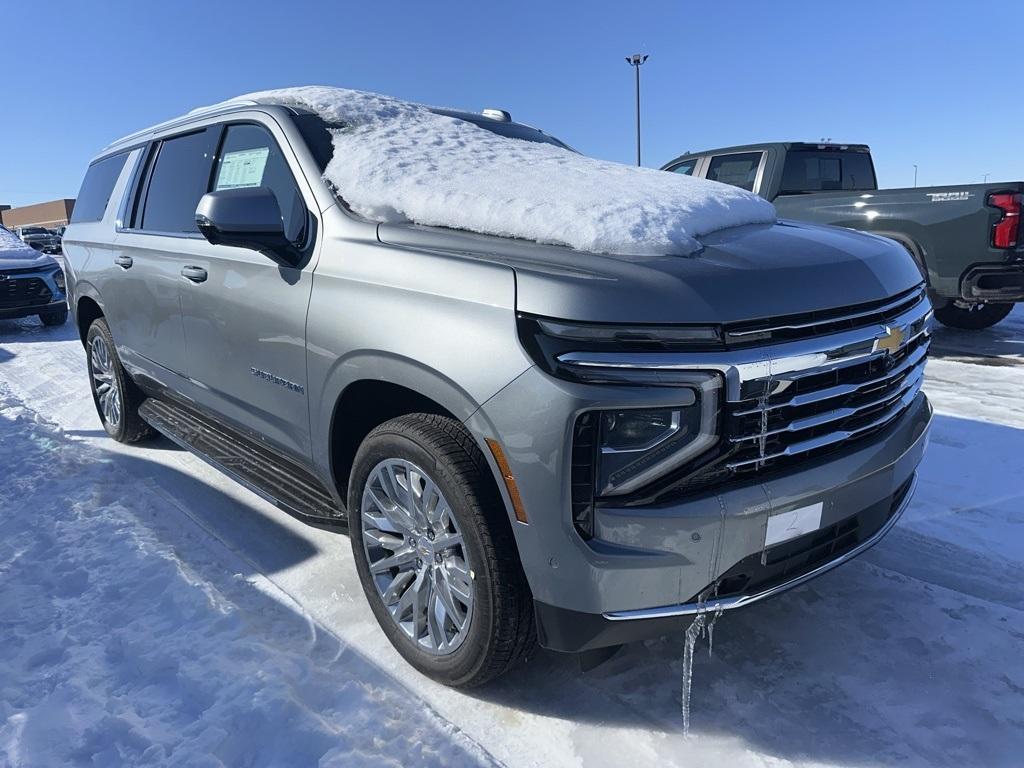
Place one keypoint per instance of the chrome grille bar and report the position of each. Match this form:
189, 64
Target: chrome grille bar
837, 414
838, 436
915, 357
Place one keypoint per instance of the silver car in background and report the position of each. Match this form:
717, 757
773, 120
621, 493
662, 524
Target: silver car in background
522, 441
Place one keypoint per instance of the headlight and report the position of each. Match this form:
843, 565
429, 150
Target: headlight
616, 452
619, 451
58, 278
635, 446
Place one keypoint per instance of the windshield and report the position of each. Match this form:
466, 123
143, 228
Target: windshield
34, 231
509, 130
316, 132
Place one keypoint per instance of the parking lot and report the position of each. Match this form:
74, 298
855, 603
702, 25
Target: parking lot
909, 654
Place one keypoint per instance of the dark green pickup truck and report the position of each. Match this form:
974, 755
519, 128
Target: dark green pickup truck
964, 237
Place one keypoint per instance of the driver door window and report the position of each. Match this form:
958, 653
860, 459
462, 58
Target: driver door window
249, 157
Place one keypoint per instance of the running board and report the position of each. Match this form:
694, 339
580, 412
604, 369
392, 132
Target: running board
279, 481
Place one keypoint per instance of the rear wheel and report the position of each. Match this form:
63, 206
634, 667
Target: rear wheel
116, 396
57, 317
972, 317
434, 551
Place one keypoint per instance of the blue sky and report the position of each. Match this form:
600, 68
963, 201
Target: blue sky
932, 83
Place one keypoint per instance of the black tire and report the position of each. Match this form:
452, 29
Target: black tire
501, 626
129, 427
57, 317
973, 318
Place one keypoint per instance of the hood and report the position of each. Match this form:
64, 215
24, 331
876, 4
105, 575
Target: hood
15, 254
743, 273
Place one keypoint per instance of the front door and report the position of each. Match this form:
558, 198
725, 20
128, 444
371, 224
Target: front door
245, 314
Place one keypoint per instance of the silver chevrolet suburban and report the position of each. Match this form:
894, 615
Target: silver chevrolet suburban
523, 442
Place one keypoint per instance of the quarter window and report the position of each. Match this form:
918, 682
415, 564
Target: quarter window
249, 157
738, 169
96, 189
180, 175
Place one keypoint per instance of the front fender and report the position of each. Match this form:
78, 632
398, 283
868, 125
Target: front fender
381, 366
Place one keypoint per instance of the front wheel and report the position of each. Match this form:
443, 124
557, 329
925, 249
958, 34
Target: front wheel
434, 550
972, 317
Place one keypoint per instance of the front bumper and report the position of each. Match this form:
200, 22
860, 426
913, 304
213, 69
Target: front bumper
646, 565
24, 293
14, 313
570, 631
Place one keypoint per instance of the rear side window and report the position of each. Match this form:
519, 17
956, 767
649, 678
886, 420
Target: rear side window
685, 168
827, 170
179, 177
250, 157
739, 169
96, 189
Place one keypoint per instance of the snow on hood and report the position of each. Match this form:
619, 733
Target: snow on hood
13, 247
395, 161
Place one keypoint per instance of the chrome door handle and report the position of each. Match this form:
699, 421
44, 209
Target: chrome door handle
124, 262
195, 274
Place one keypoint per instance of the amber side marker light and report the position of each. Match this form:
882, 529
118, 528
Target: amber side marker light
510, 481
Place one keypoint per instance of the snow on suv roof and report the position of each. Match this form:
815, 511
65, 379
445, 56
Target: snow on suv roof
396, 161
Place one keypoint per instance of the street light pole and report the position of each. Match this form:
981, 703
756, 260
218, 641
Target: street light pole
915, 174
635, 61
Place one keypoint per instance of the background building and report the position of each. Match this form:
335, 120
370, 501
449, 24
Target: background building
54, 213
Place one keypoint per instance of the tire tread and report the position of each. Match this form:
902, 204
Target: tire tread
449, 440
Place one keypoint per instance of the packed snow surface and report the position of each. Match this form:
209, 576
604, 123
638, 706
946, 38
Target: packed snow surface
116, 652
396, 161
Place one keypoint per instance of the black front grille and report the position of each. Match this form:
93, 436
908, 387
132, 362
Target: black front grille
813, 324
16, 292
796, 557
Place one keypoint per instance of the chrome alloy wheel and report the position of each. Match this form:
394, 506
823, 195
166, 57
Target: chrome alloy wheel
104, 381
417, 557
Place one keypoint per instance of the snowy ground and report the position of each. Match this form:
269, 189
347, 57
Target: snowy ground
151, 611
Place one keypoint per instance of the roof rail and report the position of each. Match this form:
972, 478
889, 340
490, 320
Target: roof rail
198, 112
222, 105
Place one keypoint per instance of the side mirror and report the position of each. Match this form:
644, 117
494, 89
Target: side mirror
248, 217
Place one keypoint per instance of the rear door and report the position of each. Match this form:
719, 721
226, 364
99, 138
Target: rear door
244, 313
142, 298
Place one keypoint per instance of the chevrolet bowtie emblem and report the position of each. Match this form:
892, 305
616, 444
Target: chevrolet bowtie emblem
891, 341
